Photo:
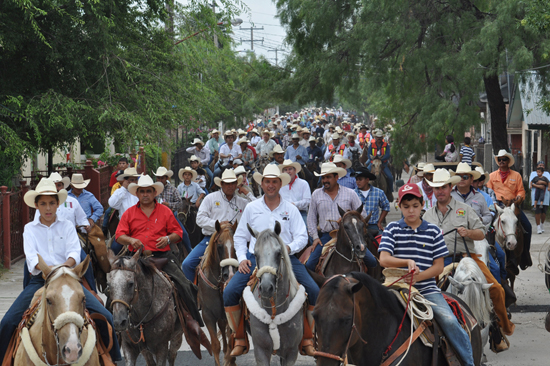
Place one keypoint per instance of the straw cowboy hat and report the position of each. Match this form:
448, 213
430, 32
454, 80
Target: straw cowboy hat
428, 168
240, 170
197, 141
312, 139
228, 176
194, 158
420, 169
443, 177
291, 163
464, 168
45, 187
340, 159
504, 153
144, 182
228, 133
336, 136
128, 172
378, 133
295, 136
187, 170
266, 131
241, 132
56, 177
242, 141
351, 134
162, 171
305, 130
215, 131
331, 168
255, 130
78, 181
276, 150
272, 171
482, 172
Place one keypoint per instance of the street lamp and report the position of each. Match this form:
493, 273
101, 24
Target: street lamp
234, 22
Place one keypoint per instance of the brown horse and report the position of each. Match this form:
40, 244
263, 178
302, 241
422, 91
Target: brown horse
60, 333
188, 217
381, 179
216, 269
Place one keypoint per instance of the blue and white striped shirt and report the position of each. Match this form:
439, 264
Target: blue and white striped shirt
467, 154
423, 245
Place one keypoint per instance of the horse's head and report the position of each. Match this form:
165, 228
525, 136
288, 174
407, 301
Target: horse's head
123, 288
355, 228
376, 166
225, 250
506, 225
64, 304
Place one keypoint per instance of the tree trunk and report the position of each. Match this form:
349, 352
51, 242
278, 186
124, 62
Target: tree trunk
50, 161
497, 107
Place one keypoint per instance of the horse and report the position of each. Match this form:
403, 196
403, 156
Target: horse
355, 159
509, 234
356, 319
60, 333
143, 311
218, 267
188, 217
314, 182
276, 320
381, 179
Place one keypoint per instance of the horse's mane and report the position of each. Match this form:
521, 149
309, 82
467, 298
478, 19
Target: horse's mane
481, 306
211, 254
382, 297
59, 271
270, 234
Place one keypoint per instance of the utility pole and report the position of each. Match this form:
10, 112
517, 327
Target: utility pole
213, 5
251, 40
276, 59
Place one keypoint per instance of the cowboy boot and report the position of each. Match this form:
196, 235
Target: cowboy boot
235, 319
307, 347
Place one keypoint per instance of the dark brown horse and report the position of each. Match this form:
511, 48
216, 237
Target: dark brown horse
188, 217
216, 269
356, 319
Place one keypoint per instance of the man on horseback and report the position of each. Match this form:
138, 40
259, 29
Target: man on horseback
508, 185
450, 215
278, 155
267, 144
363, 137
373, 199
353, 147
228, 152
335, 147
223, 206
200, 151
380, 149
260, 215
345, 181
465, 193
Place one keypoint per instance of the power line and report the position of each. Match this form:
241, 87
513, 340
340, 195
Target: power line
251, 40
276, 59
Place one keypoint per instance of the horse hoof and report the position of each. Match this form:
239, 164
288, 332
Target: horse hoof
547, 322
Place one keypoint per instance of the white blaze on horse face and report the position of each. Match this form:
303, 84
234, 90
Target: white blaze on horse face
228, 253
355, 224
67, 293
73, 341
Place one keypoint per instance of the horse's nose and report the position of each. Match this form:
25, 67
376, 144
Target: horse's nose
72, 352
267, 288
120, 324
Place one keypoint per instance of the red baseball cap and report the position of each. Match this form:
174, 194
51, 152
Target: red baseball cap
409, 189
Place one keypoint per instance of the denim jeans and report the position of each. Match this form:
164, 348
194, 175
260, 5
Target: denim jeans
185, 237
451, 328
369, 259
304, 217
210, 174
498, 266
106, 216
11, 320
191, 262
233, 292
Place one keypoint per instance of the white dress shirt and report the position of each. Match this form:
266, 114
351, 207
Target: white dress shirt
254, 140
297, 193
203, 154
234, 152
264, 148
56, 243
260, 217
122, 200
215, 206
71, 211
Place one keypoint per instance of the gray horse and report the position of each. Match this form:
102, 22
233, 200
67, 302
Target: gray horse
279, 295
143, 311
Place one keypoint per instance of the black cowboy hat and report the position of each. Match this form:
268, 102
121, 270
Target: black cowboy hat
364, 172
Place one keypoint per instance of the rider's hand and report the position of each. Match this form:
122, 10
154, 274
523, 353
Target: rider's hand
136, 243
411, 264
125, 183
316, 242
88, 228
288, 249
162, 242
92, 222
298, 157
380, 227
244, 266
243, 190
462, 231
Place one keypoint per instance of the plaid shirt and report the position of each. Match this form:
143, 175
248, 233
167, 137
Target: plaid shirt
375, 199
248, 157
348, 181
171, 196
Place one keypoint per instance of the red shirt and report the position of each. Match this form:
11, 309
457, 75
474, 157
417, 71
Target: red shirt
113, 180
136, 224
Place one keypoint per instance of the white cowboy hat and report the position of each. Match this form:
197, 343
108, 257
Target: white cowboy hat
305, 130
240, 170
215, 131
242, 141
464, 168
272, 171
330, 168
162, 171
428, 168
45, 187
482, 172
194, 158
228, 176
312, 139
128, 172
197, 141
378, 133
335, 136
276, 150
340, 159
291, 163
77, 181
339, 130
350, 134
56, 177
238, 162
228, 133
443, 177
255, 130
241, 132
295, 136
187, 170
420, 169
266, 131
143, 182
505, 153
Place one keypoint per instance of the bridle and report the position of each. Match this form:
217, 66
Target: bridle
354, 256
275, 272
500, 229
343, 358
220, 283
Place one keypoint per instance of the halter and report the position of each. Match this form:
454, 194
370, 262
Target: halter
220, 283
354, 256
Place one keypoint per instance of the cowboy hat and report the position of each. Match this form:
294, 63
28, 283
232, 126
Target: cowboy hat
351, 134
464, 168
237, 162
295, 136
291, 163
305, 130
420, 169
340, 159
162, 171
193, 158
77, 181
443, 177
197, 141
312, 139
272, 171
266, 131
128, 172
276, 150
45, 187
241, 132
378, 133
56, 177
428, 168
504, 153
335, 136
364, 172
255, 130
240, 170
482, 172
214, 131
144, 182
330, 168
242, 141
187, 170
228, 176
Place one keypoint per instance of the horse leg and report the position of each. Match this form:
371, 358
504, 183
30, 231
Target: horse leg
162, 354
175, 344
228, 360
148, 356
263, 344
210, 322
130, 353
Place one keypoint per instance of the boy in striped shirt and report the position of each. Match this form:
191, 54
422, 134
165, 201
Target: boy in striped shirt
418, 245
467, 154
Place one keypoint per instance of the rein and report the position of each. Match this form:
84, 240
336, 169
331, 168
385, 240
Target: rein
354, 257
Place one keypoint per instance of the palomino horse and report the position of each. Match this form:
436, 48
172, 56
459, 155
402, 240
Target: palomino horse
509, 234
143, 311
60, 334
356, 319
276, 320
381, 179
218, 267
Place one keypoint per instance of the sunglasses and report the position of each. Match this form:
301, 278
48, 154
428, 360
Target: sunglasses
465, 176
502, 159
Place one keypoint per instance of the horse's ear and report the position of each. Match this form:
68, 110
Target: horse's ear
253, 232
499, 210
513, 208
43, 266
277, 228
82, 267
111, 256
235, 225
217, 226
319, 279
342, 212
360, 208
356, 287
136, 256
367, 219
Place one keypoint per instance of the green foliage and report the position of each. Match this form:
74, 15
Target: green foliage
153, 158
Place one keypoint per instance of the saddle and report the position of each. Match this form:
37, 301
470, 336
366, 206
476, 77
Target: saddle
97, 240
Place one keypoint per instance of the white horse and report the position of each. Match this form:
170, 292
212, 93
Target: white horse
505, 226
